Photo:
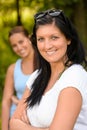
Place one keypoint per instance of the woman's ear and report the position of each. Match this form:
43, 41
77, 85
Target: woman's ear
29, 36
69, 42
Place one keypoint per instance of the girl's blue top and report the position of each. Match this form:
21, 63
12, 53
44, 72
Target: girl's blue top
19, 83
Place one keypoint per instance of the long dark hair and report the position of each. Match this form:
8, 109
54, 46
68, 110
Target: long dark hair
75, 50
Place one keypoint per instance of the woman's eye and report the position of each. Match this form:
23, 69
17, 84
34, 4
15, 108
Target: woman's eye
40, 39
54, 37
21, 41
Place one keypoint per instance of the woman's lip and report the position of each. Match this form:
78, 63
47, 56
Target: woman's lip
51, 52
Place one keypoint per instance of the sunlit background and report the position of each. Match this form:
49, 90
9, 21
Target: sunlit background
21, 12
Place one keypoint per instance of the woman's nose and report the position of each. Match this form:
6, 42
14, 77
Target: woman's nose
48, 44
19, 47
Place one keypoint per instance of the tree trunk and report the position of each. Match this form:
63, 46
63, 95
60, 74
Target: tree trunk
18, 13
80, 18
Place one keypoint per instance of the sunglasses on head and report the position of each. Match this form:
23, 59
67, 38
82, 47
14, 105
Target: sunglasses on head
52, 13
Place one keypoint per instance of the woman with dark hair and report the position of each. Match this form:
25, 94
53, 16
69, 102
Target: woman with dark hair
57, 92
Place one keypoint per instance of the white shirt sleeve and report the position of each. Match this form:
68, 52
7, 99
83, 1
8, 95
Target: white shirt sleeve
75, 77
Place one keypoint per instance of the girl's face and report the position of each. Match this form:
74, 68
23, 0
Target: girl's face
21, 45
51, 43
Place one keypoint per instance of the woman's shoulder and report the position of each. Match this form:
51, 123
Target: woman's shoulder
75, 76
76, 70
11, 68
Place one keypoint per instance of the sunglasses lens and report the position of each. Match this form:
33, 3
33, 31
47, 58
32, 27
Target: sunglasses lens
39, 15
52, 13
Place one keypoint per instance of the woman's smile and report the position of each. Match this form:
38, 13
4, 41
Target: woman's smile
51, 52
51, 43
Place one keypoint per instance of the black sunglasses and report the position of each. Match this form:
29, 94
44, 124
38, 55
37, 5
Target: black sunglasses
52, 13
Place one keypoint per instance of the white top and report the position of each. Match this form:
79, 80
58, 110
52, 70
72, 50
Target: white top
42, 115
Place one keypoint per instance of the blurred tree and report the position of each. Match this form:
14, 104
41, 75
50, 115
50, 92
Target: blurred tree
18, 13
80, 20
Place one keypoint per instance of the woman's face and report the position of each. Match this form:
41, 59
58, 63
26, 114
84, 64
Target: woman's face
52, 43
21, 45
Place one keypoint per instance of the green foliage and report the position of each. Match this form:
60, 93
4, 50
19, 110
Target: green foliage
9, 11
12, 10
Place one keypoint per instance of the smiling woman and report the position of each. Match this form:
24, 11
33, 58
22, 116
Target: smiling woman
56, 93
17, 73
51, 43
